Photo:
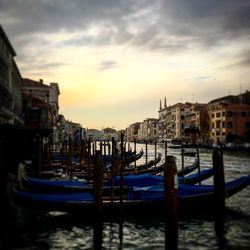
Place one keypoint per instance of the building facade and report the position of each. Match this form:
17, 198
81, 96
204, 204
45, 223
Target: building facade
10, 84
229, 122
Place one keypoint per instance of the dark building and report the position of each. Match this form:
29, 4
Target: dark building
10, 84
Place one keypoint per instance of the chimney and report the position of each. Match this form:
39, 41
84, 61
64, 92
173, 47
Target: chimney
41, 81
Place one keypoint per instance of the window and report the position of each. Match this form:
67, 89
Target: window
247, 125
243, 113
229, 124
212, 115
229, 113
218, 114
217, 124
223, 124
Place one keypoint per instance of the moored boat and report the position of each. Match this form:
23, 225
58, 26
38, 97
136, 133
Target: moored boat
140, 199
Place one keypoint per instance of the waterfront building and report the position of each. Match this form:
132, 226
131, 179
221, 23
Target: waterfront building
48, 95
108, 133
94, 134
128, 133
176, 120
197, 123
241, 98
10, 84
149, 129
152, 129
131, 132
140, 135
229, 122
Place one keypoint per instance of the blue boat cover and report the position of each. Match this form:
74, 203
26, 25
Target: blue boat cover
73, 197
49, 182
141, 180
156, 192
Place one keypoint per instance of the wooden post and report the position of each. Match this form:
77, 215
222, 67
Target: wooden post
104, 143
198, 159
98, 179
97, 185
109, 148
219, 180
95, 147
166, 148
70, 157
121, 174
147, 152
135, 153
81, 152
89, 157
182, 163
219, 197
38, 155
171, 202
155, 155
101, 147
112, 170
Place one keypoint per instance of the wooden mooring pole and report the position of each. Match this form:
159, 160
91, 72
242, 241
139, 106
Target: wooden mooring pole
171, 203
135, 153
219, 180
81, 152
219, 197
166, 148
113, 170
155, 154
38, 159
121, 174
182, 163
97, 185
198, 159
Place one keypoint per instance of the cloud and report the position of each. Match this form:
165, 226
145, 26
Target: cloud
105, 65
241, 60
172, 25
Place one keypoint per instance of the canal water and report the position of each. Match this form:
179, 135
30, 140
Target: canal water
29, 229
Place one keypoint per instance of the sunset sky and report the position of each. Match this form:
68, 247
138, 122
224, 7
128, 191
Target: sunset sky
114, 60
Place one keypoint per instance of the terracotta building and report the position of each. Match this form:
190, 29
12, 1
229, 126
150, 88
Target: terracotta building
229, 122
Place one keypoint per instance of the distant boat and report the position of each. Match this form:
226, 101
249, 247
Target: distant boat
175, 143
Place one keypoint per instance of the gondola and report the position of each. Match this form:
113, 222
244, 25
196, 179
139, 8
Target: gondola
189, 169
149, 167
130, 156
78, 172
140, 170
67, 185
137, 199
